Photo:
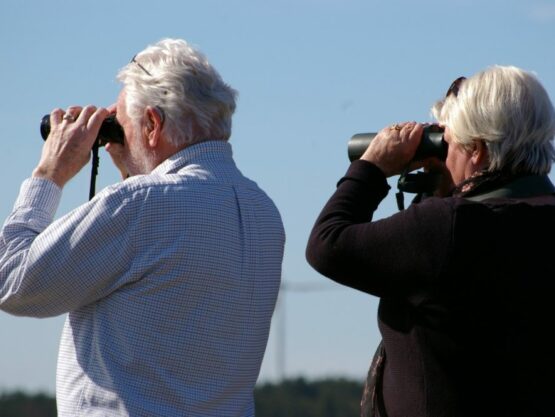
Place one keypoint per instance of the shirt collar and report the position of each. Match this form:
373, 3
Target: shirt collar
207, 151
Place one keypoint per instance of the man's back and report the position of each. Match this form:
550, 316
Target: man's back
171, 280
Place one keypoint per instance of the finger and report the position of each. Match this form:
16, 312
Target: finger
74, 111
112, 108
115, 150
416, 131
56, 116
71, 114
406, 127
86, 113
396, 126
96, 116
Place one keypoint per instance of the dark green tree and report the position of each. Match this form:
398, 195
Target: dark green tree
290, 398
19, 404
301, 398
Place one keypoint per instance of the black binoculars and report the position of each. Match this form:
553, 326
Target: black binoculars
431, 144
110, 131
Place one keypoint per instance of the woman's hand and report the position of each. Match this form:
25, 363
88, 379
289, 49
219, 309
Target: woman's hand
393, 148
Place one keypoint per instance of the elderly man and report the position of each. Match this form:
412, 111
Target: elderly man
170, 277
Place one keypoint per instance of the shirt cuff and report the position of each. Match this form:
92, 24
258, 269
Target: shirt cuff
39, 194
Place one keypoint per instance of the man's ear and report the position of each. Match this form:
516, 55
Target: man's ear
152, 129
480, 155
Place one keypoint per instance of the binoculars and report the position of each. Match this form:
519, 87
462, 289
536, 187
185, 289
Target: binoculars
431, 144
110, 131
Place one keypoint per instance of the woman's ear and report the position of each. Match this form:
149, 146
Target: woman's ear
479, 155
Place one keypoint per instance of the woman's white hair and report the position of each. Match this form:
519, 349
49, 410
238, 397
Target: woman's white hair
508, 109
178, 79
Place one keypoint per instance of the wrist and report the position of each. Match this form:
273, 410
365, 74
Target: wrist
46, 174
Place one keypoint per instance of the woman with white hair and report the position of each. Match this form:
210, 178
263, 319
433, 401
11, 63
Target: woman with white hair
464, 276
504, 116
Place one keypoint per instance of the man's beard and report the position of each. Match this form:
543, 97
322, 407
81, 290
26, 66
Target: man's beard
140, 160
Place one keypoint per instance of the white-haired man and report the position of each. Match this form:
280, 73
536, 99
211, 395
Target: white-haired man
170, 277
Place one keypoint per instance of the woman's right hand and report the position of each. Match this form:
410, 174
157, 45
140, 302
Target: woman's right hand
393, 148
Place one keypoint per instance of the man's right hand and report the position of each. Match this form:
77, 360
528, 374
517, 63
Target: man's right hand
115, 150
68, 146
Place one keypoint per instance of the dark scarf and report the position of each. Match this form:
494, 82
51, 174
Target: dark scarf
483, 181
503, 184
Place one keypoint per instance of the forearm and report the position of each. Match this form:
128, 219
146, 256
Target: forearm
336, 239
33, 212
395, 256
51, 269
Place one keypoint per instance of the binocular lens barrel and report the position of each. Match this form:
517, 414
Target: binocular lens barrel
431, 144
110, 131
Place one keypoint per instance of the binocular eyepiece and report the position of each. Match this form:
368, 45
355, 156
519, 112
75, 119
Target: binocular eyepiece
110, 130
431, 144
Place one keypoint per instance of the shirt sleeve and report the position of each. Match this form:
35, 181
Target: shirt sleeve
48, 267
395, 256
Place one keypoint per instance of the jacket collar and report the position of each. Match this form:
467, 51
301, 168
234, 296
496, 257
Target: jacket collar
521, 187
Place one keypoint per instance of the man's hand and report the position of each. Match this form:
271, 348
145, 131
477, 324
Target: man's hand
115, 150
68, 147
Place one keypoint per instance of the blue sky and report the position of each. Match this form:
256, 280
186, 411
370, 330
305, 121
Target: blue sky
310, 74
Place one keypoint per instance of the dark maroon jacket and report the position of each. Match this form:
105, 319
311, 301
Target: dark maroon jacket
466, 288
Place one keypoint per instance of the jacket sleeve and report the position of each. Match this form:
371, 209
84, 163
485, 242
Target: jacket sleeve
395, 256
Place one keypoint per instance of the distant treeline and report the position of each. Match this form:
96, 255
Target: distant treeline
20, 404
302, 398
290, 398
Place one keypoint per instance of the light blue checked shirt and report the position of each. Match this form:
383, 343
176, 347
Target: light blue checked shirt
170, 281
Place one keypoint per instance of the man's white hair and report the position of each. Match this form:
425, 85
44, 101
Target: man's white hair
178, 79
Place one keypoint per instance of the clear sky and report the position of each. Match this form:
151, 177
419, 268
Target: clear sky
310, 74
